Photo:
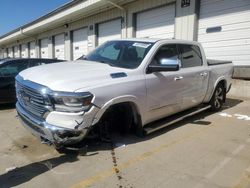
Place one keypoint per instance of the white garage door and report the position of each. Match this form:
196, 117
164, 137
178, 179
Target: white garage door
10, 52
32, 50
224, 30
16, 51
5, 54
44, 48
156, 23
109, 30
59, 48
1, 53
80, 43
24, 50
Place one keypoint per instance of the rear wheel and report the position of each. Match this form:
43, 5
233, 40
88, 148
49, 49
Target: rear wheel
218, 98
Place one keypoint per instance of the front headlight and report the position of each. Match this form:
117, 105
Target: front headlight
72, 102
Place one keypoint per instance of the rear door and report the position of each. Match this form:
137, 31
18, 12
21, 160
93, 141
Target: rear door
7, 79
194, 75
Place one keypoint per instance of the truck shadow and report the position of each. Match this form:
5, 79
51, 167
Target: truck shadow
25, 173
119, 140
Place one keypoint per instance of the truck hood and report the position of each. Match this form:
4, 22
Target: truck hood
71, 76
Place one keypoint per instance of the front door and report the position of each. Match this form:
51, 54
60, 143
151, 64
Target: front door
164, 89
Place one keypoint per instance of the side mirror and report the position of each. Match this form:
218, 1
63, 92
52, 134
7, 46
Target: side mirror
164, 65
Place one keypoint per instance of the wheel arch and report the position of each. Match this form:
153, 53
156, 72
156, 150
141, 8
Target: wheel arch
129, 100
221, 80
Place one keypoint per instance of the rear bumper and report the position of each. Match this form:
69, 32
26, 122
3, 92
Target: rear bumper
55, 135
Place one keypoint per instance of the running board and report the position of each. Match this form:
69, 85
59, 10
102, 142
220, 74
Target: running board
174, 119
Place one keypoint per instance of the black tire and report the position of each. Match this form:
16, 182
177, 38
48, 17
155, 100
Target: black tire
218, 98
139, 131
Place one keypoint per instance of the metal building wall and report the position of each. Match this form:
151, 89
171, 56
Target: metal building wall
184, 24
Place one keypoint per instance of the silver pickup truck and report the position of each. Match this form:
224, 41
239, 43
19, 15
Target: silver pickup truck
130, 83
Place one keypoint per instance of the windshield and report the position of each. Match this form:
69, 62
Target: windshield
125, 54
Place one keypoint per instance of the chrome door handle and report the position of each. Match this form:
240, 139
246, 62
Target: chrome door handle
178, 78
203, 74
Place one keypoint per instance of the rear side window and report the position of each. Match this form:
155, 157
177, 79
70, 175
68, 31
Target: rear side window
190, 56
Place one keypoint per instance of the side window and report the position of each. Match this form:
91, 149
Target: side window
165, 55
191, 56
12, 69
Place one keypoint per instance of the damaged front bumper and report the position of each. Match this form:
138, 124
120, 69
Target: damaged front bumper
58, 136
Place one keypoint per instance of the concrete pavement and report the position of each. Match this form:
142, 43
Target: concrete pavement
209, 150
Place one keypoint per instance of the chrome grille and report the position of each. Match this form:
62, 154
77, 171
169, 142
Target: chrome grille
32, 100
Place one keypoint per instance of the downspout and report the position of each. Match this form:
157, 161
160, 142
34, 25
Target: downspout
125, 14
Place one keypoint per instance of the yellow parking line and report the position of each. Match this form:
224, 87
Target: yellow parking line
104, 174
244, 181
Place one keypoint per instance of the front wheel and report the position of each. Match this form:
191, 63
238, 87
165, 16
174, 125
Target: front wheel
218, 98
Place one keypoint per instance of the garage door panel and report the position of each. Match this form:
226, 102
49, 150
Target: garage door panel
161, 31
227, 28
16, 51
32, 50
80, 43
145, 19
1, 54
233, 41
59, 48
161, 36
223, 7
237, 58
230, 49
225, 51
220, 20
24, 50
157, 12
222, 36
10, 52
161, 23
109, 31
156, 23
205, 2
44, 48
